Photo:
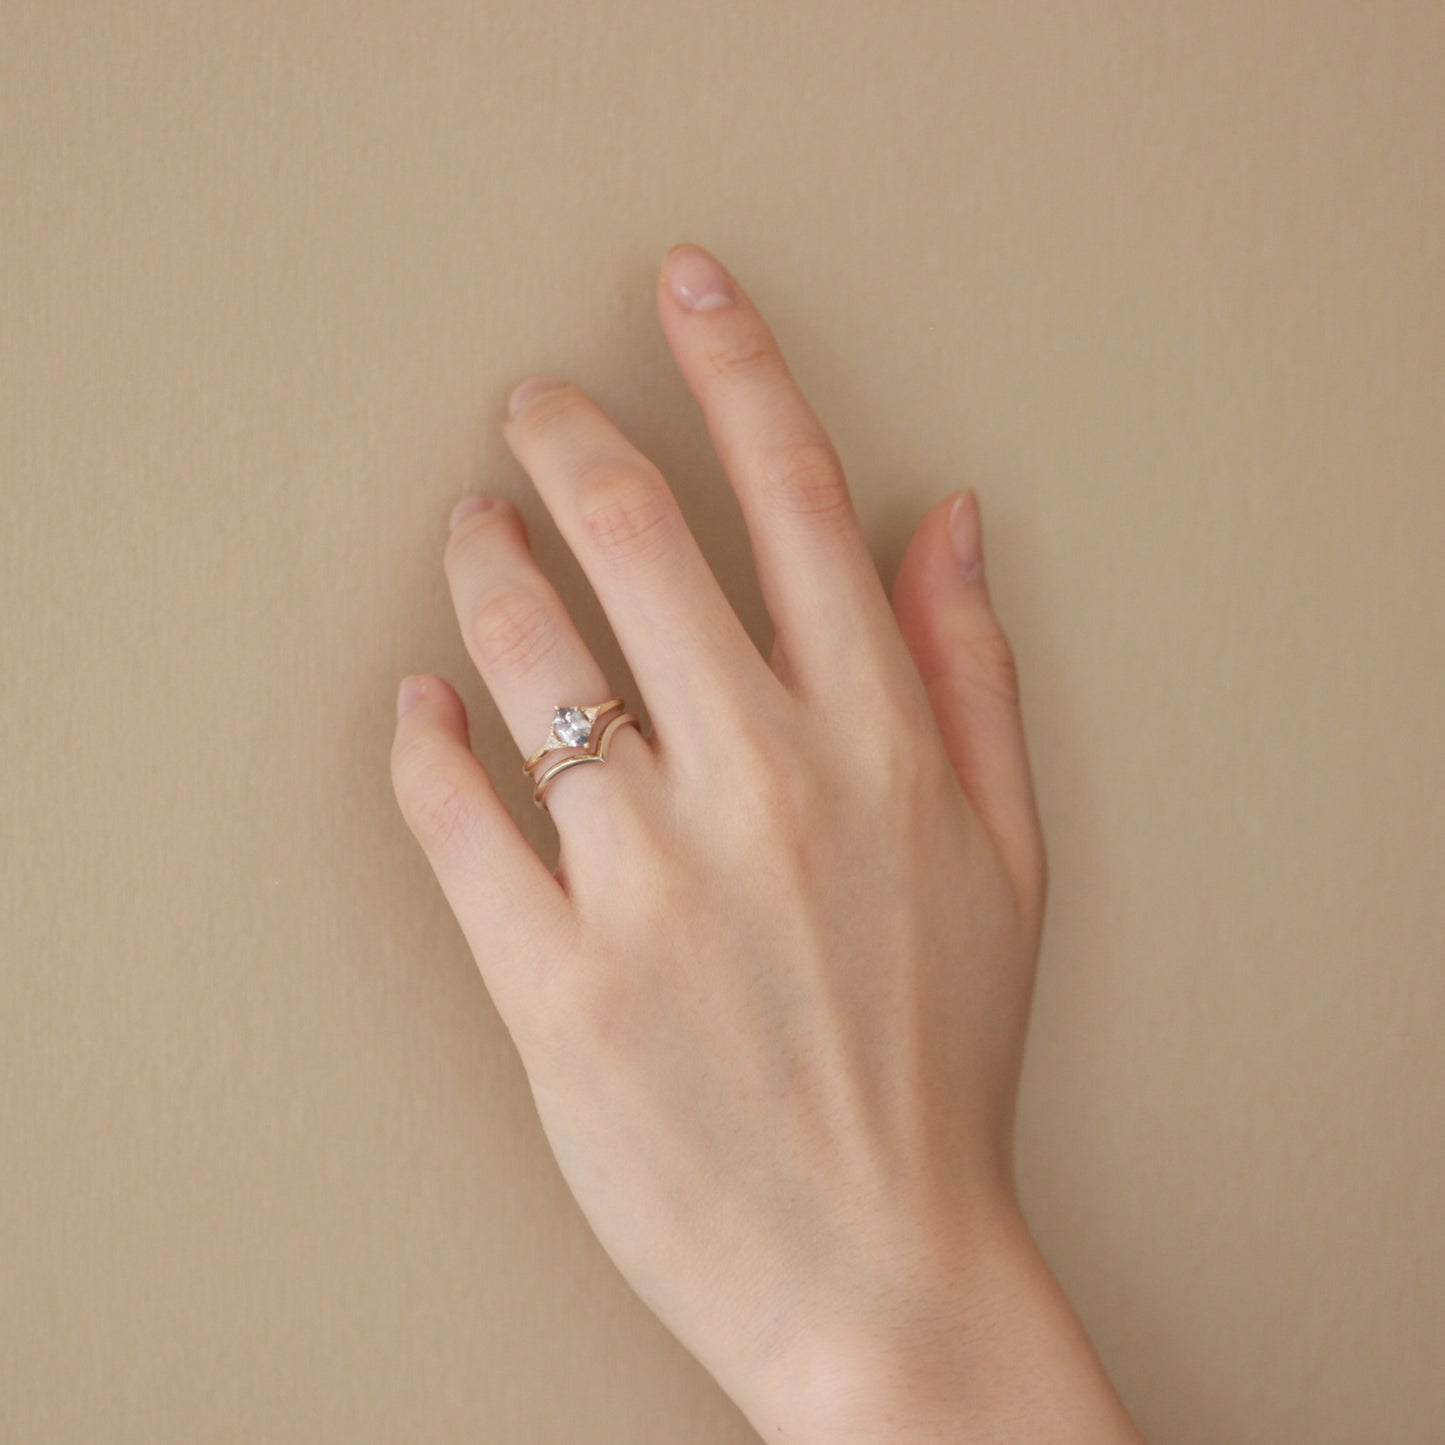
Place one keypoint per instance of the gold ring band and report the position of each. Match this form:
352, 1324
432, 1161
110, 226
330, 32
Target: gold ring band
600, 756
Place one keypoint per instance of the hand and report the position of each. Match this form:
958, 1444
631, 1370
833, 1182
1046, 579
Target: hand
772, 1003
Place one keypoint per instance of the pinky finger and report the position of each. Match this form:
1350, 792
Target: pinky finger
487, 869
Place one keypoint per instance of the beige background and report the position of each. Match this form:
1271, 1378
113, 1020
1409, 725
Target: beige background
1163, 281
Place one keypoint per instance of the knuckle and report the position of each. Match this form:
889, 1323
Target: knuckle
804, 475
906, 754
901, 732
799, 799
514, 631
436, 808
475, 533
991, 665
627, 511
594, 1009
545, 407
758, 793
774, 788
744, 358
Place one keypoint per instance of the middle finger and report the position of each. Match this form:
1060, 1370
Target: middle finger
688, 652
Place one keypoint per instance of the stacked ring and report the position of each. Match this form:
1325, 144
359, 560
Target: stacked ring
575, 731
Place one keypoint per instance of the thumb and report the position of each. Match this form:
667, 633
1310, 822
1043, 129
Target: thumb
968, 666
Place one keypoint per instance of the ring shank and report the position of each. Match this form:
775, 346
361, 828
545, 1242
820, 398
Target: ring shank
600, 756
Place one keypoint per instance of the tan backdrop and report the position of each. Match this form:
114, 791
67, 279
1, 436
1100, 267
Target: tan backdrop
1164, 282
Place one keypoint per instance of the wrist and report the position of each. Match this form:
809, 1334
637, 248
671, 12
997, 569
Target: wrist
985, 1348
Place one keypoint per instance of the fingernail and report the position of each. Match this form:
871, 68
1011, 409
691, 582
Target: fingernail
697, 281
966, 532
411, 692
533, 386
467, 507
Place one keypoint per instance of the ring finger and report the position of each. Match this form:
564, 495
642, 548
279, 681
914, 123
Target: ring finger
526, 646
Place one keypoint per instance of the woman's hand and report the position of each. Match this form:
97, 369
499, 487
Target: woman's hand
772, 1003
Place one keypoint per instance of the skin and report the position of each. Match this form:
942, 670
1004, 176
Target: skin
773, 1001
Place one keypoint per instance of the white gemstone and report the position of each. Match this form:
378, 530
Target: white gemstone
571, 725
